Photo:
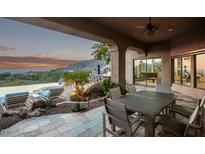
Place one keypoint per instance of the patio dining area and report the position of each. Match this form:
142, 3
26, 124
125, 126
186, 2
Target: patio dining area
90, 123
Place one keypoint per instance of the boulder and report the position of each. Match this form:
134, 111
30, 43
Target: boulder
1, 110
8, 113
94, 91
36, 112
35, 102
23, 113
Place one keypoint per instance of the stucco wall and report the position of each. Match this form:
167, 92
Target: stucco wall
189, 42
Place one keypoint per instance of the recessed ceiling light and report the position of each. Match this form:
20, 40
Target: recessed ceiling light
170, 29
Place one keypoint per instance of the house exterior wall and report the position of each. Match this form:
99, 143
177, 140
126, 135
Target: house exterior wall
187, 43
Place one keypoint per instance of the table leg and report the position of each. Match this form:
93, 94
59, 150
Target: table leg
149, 127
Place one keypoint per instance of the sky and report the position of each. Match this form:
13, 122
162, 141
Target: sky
20, 39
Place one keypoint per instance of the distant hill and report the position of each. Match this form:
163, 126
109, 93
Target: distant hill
86, 65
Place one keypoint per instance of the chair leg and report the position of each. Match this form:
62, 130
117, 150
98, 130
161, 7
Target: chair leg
113, 127
104, 126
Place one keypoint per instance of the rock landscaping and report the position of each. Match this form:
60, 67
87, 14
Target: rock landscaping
34, 109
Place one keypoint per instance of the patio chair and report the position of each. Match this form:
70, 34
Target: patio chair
179, 128
186, 111
163, 88
115, 92
51, 93
14, 100
118, 117
131, 88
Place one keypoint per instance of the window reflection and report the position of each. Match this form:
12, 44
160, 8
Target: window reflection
177, 70
140, 71
200, 71
186, 71
182, 71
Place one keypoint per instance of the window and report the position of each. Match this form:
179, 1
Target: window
182, 71
147, 71
200, 71
177, 70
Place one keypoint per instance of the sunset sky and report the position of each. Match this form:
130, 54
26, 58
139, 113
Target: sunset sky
20, 39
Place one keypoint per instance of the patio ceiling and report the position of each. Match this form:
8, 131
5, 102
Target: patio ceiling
85, 28
127, 26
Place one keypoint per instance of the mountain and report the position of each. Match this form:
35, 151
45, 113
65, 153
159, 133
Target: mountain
7, 62
86, 65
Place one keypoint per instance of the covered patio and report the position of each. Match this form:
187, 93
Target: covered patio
172, 55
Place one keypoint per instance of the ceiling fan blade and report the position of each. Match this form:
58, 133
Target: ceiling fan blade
140, 27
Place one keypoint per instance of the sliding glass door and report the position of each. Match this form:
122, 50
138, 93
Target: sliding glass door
147, 71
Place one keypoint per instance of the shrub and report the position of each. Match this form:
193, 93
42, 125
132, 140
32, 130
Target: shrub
77, 107
106, 85
50, 104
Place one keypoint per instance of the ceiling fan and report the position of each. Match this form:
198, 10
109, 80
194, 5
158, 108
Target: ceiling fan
150, 29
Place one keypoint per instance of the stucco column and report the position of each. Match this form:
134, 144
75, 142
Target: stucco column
130, 56
166, 70
118, 64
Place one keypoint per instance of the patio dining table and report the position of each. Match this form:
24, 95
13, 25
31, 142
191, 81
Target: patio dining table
148, 103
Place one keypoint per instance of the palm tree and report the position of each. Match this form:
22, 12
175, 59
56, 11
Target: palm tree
101, 52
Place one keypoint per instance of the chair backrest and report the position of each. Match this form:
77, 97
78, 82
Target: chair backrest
115, 92
131, 88
54, 92
194, 115
163, 88
202, 102
16, 98
118, 112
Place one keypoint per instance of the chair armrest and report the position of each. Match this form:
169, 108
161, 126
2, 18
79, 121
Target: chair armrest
195, 126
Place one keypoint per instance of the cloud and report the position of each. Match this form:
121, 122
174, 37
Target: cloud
6, 48
51, 54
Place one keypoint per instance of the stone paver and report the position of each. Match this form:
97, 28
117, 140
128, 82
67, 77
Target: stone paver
71, 124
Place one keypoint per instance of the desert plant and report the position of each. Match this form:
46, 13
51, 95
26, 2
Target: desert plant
101, 52
79, 78
77, 107
50, 104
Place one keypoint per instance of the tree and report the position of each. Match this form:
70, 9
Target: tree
101, 52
